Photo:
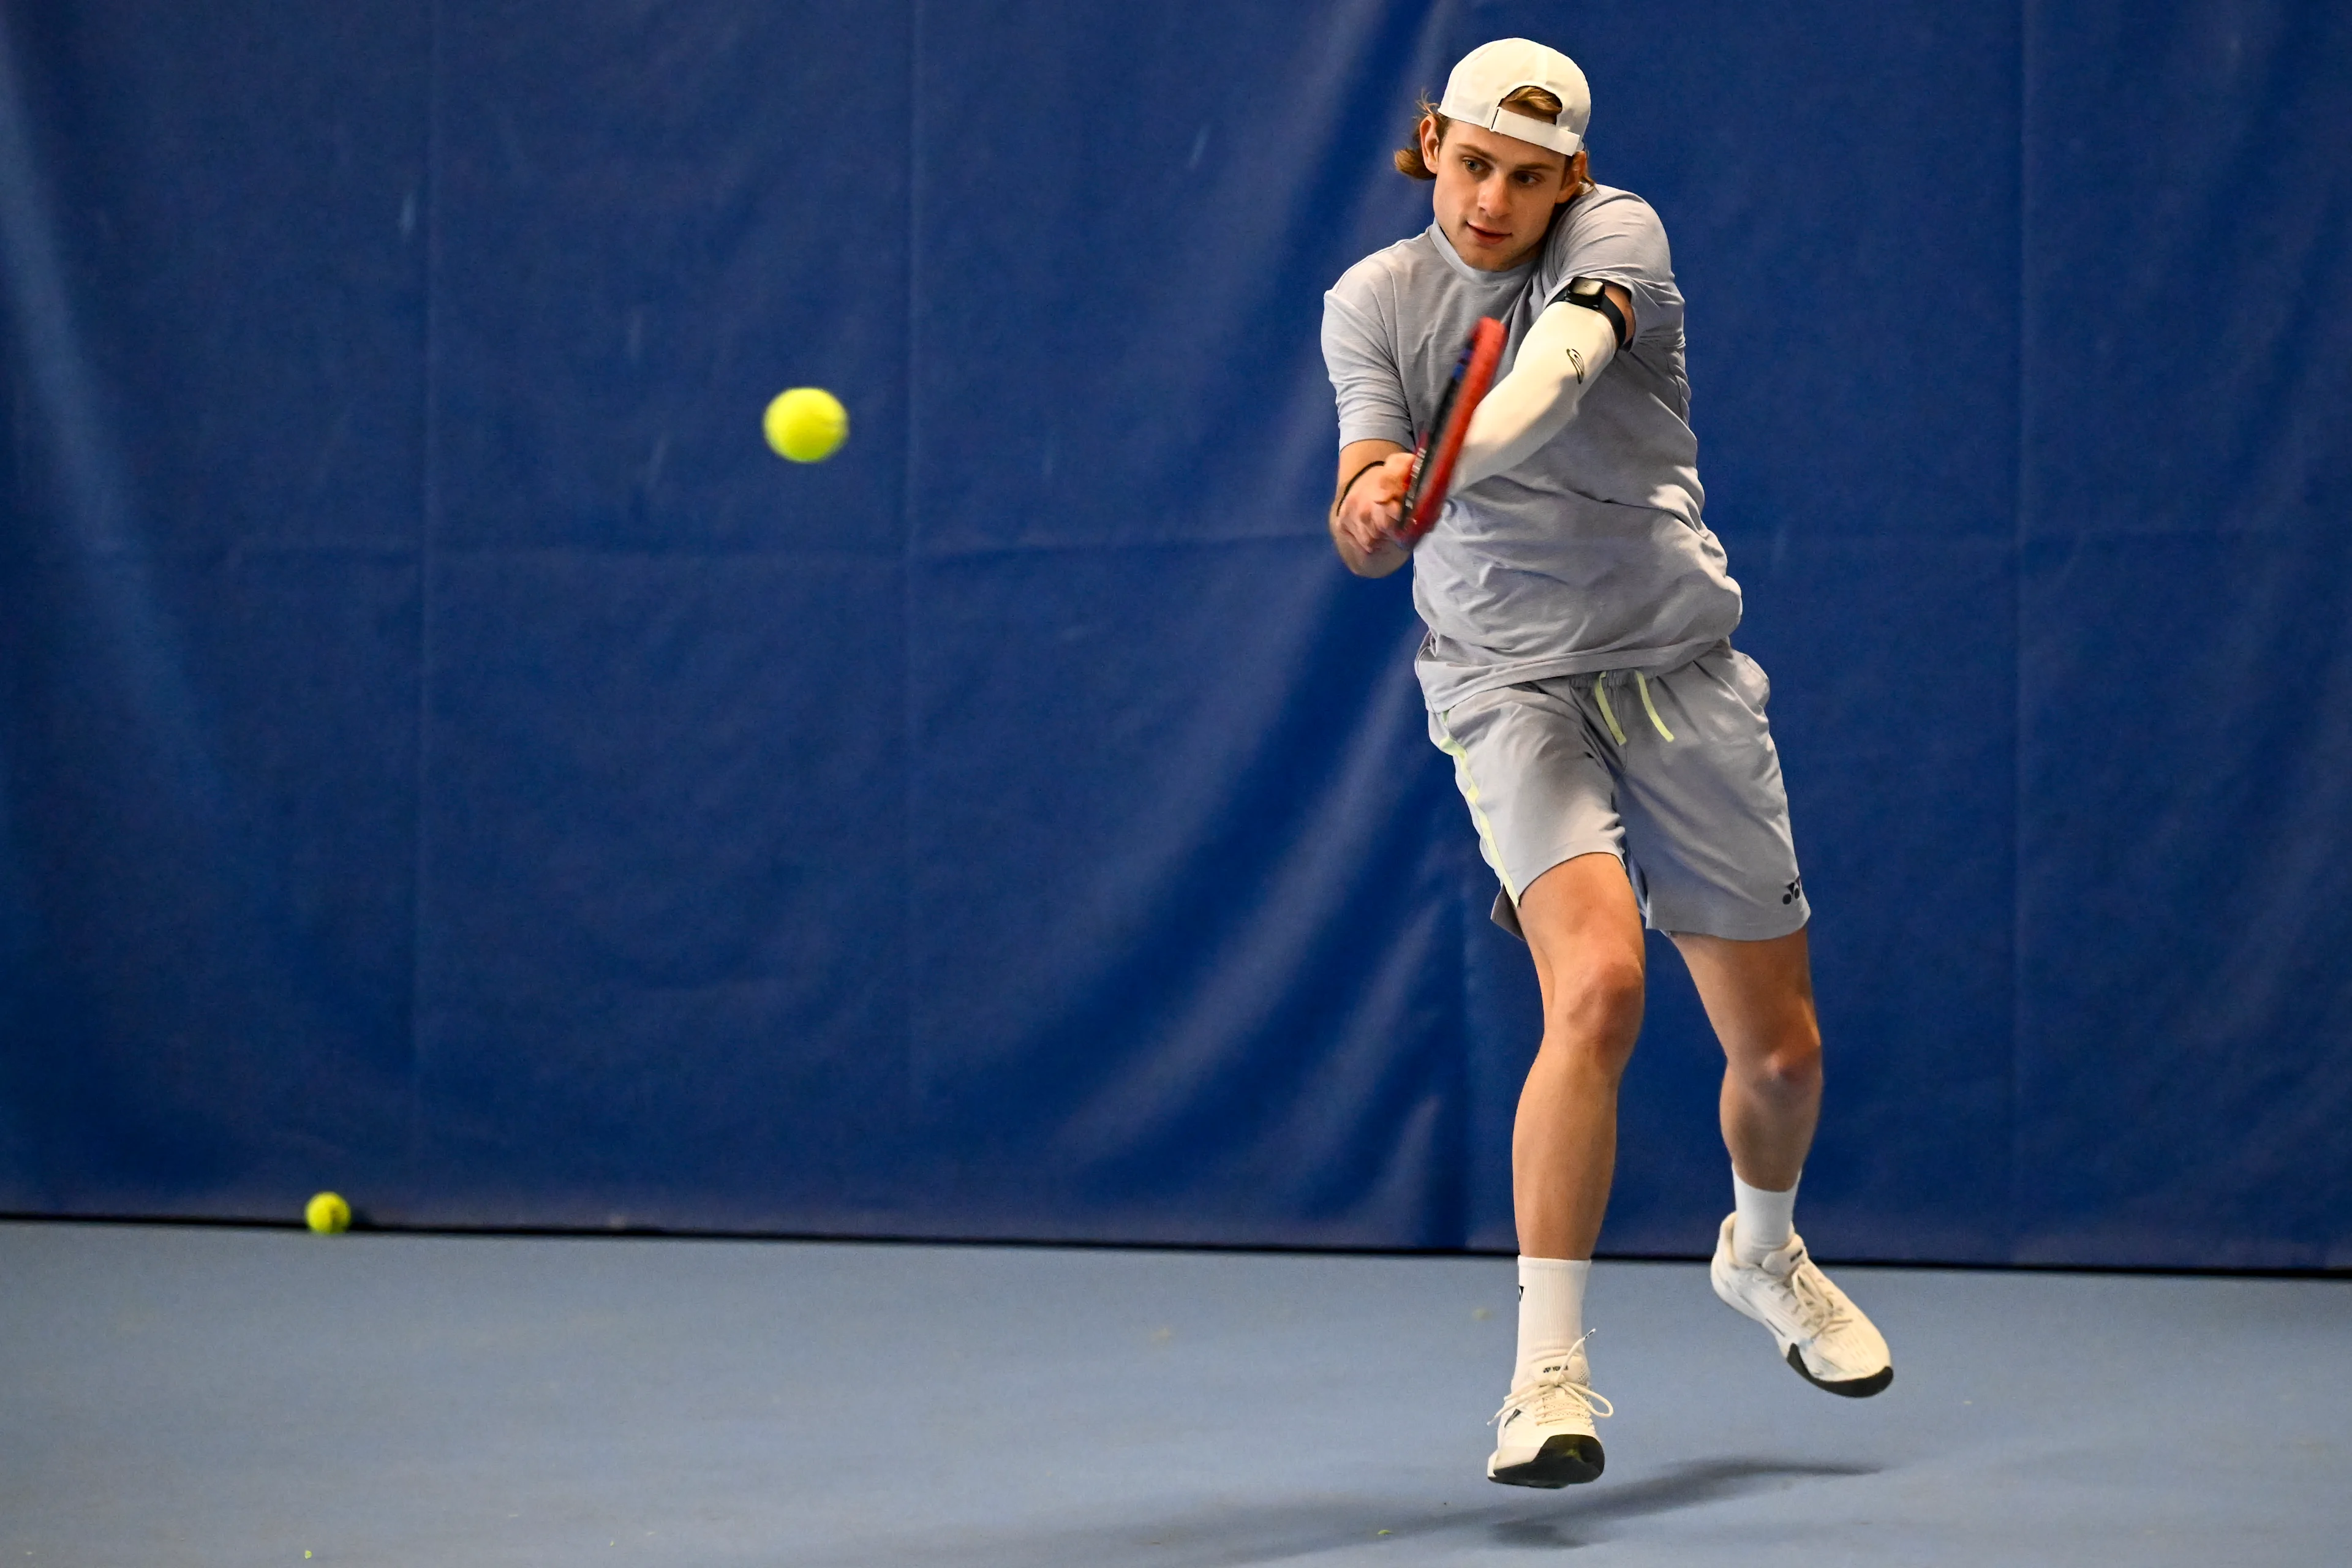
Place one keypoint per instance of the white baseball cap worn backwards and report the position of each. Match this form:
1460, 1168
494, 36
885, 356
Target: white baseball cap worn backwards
1492, 72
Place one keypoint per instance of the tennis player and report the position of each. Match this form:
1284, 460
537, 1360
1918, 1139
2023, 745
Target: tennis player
1609, 742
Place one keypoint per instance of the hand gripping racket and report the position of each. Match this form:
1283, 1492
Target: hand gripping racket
1432, 465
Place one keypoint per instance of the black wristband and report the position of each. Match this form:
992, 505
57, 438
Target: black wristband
1341, 499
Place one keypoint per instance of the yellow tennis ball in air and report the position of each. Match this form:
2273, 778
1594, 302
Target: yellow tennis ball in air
807, 424
327, 1213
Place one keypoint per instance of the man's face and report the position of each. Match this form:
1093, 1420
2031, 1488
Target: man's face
1495, 193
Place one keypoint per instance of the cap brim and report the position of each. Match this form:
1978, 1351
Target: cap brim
1511, 123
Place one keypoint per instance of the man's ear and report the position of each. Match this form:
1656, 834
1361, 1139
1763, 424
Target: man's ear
1575, 178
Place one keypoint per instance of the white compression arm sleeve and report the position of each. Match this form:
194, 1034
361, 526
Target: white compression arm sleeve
1564, 352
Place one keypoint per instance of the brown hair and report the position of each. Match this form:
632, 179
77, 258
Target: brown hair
1533, 102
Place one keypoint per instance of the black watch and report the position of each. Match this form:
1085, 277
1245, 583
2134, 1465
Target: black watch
1593, 295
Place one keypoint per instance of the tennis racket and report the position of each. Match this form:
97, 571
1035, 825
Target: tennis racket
1432, 465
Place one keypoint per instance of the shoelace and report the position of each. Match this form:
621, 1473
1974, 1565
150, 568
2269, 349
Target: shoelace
1819, 1306
1553, 1399
1822, 1308
1553, 1396
1642, 684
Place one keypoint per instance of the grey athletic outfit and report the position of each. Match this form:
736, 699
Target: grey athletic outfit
1578, 608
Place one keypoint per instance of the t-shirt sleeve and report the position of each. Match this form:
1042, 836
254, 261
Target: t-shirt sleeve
1363, 370
1620, 240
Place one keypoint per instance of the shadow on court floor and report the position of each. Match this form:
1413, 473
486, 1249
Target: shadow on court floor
195, 1396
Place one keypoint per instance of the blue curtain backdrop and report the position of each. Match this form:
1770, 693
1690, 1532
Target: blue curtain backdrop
445, 757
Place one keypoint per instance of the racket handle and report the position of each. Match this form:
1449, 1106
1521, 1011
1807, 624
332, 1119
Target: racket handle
1404, 533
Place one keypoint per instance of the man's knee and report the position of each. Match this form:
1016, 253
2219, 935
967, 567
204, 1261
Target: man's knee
1595, 1010
1789, 1065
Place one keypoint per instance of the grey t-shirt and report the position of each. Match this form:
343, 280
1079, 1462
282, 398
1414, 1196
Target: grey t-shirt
1590, 555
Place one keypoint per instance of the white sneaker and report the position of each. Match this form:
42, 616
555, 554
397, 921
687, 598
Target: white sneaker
1543, 1432
1823, 1335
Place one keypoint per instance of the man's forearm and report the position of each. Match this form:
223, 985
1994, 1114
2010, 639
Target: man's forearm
1562, 356
1367, 484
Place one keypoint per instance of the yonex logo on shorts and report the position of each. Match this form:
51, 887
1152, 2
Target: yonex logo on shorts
1796, 890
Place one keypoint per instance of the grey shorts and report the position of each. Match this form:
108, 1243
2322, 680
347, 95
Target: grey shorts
1582, 765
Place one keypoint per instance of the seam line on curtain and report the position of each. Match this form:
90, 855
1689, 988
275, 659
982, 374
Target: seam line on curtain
427, 507
2019, 502
911, 1080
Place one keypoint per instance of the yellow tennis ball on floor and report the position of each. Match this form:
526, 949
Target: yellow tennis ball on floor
807, 424
327, 1213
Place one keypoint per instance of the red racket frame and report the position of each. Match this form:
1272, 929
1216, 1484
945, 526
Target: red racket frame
1432, 465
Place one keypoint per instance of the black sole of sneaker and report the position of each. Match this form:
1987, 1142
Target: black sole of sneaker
1855, 1388
1566, 1460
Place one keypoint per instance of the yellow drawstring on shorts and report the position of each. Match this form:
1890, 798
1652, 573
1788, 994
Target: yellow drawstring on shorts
1642, 683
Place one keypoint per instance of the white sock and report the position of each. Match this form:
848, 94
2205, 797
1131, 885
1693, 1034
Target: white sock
1766, 1221
1552, 1312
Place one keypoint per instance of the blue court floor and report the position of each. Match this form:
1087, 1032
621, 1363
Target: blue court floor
191, 1396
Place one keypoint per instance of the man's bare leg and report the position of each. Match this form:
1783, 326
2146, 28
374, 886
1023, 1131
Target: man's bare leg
1585, 932
1760, 997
